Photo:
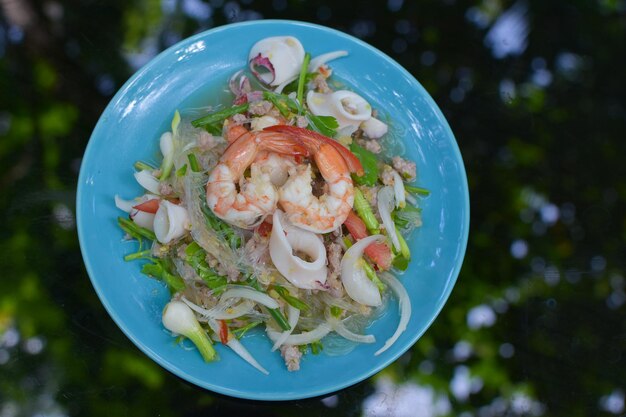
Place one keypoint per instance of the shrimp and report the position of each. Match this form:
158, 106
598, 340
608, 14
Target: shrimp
325, 213
257, 196
276, 165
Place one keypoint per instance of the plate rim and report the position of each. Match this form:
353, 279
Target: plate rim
287, 396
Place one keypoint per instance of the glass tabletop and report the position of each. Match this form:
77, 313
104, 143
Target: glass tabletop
536, 96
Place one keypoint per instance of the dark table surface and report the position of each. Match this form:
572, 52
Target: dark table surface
535, 93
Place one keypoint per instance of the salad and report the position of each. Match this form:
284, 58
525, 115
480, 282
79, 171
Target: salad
284, 210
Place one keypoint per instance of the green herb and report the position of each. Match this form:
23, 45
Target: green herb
283, 103
316, 347
365, 212
219, 116
215, 223
326, 125
193, 163
404, 248
240, 332
195, 256
162, 270
290, 299
417, 190
135, 230
301, 79
143, 166
370, 165
347, 241
335, 311
401, 263
292, 87
214, 128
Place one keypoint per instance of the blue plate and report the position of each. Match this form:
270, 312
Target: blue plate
194, 72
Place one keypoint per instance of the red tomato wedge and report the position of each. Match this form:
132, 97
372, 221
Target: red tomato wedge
378, 252
150, 206
313, 138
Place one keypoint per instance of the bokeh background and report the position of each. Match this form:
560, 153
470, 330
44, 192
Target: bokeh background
535, 92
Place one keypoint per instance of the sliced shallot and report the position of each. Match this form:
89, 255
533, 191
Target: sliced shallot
147, 181
250, 294
398, 189
303, 338
222, 312
238, 348
385, 206
404, 306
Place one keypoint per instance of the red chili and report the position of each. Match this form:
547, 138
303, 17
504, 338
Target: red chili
223, 332
150, 206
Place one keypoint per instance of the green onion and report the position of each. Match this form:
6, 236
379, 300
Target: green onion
301, 79
347, 241
161, 269
369, 161
193, 163
290, 299
283, 103
215, 223
404, 248
417, 190
218, 116
138, 255
316, 347
280, 318
365, 212
371, 274
175, 122
335, 311
134, 230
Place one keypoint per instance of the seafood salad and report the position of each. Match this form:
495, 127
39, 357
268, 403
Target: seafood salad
283, 210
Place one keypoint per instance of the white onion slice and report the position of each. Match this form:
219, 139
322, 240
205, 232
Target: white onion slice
147, 181
170, 222
355, 281
302, 338
221, 312
398, 189
338, 326
324, 58
294, 316
385, 205
250, 294
238, 348
124, 205
404, 307
286, 239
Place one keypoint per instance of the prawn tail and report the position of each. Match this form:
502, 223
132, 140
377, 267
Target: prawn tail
314, 140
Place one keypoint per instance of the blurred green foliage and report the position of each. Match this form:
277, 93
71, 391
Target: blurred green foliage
536, 318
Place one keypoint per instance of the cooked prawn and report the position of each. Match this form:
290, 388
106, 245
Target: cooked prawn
257, 196
327, 212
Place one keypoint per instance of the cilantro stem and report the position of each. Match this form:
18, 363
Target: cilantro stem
301, 79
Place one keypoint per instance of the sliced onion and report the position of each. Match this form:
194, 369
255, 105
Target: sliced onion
324, 58
412, 200
286, 239
385, 206
355, 281
294, 316
250, 294
143, 219
222, 312
404, 307
398, 189
238, 348
170, 222
147, 181
338, 326
124, 205
302, 338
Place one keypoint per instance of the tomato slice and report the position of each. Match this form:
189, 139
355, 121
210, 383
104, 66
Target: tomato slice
378, 252
150, 206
